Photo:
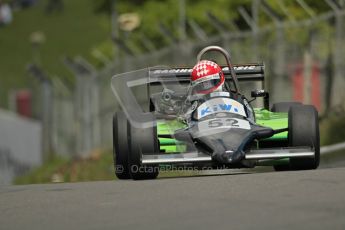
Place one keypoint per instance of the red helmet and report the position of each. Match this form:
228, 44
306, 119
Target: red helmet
206, 77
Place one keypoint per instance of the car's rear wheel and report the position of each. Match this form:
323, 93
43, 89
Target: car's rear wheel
283, 107
142, 141
304, 131
120, 146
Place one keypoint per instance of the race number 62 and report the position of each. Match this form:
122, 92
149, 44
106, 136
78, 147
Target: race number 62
214, 123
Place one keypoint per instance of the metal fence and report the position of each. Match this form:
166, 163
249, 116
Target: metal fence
303, 59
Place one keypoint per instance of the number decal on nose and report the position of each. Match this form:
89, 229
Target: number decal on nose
223, 124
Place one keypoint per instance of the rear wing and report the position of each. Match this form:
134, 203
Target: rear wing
244, 72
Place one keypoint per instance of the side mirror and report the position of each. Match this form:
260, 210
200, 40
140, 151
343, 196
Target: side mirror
259, 93
264, 94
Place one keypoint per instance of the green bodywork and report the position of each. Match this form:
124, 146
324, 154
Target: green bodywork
273, 120
263, 117
170, 144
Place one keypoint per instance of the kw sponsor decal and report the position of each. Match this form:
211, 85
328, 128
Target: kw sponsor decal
224, 105
219, 107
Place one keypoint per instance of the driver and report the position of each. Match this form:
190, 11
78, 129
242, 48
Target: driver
207, 77
207, 80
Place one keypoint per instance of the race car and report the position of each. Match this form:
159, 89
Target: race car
162, 123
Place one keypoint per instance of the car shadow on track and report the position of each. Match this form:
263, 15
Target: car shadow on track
209, 173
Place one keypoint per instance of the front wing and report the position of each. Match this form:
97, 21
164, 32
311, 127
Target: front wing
259, 155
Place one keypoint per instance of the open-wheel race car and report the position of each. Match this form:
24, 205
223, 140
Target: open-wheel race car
167, 118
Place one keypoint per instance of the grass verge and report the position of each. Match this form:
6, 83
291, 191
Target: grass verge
97, 167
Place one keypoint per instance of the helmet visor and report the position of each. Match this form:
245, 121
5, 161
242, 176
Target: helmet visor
206, 84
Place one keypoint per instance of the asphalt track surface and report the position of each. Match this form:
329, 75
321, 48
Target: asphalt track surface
267, 200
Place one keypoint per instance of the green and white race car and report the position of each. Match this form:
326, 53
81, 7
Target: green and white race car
167, 125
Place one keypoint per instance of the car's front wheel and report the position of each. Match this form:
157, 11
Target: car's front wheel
283, 107
304, 131
120, 145
142, 141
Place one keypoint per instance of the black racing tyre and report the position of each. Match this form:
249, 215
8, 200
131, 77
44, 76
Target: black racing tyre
120, 145
142, 141
304, 131
283, 107
281, 167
